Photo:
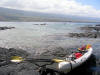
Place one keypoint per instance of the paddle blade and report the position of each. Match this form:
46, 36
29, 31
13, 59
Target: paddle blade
16, 59
57, 60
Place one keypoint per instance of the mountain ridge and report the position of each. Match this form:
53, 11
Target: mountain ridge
14, 15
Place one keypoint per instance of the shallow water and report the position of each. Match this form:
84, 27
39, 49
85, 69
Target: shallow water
38, 39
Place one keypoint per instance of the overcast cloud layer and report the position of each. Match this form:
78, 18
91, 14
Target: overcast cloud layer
69, 7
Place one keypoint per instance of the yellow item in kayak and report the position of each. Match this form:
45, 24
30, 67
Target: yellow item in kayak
88, 46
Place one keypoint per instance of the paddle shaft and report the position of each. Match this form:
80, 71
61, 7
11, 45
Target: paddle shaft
38, 60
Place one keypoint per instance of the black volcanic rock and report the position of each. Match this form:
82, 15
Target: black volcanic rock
89, 35
98, 25
89, 32
4, 28
91, 28
8, 68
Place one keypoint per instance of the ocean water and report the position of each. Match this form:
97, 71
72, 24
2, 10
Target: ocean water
37, 39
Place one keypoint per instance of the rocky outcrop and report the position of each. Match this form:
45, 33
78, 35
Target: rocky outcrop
4, 28
89, 35
88, 32
91, 28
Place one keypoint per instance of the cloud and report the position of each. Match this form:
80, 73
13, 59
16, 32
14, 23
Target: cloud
68, 7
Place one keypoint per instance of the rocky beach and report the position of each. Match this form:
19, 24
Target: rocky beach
58, 47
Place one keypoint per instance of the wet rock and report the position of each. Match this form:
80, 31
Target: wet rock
55, 52
86, 35
18, 52
8, 68
89, 32
4, 28
5, 54
58, 52
40, 24
43, 24
98, 25
91, 28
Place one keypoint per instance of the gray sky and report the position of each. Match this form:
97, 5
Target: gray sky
69, 7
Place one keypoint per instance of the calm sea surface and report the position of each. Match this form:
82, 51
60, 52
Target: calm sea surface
36, 38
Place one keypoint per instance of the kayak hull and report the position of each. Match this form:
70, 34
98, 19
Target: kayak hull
67, 66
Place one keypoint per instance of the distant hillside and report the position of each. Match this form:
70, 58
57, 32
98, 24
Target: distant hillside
29, 16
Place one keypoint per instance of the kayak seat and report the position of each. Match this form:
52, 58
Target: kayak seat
74, 56
71, 58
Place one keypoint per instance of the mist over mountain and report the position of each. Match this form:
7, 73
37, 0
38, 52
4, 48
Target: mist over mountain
14, 15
